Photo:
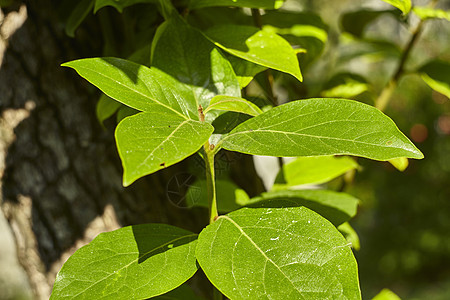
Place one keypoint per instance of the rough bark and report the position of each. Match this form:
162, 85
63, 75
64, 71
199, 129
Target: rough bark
59, 170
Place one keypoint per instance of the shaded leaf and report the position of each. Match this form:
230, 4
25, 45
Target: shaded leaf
321, 126
375, 50
355, 22
133, 262
119, 4
333, 206
284, 253
106, 107
345, 85
426, 13
245, 70
350, 235
184, 53
235, 104
313, 170
403, 5
229, 196
436, 74
136, 86
125, 111
265, 4
79, 13
257, 46
151, 141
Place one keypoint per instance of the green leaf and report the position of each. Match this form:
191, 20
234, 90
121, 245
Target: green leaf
301, 29
400, 163
133, 262
257, 46
313, 170
229, 196
333, 206
265, 4
284, 253
119, 4
345, 85
77, 16
426, 13
183, 292
350, 235
151, 141
245, 70
355, 22
184, 53
125, 111
235, 104
136, 86
435, 74
386, 294
321, 126
403, 5
106, 107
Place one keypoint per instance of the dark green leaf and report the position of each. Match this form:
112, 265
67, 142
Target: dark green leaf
335, 207
284, 253
245, 70
184, 292
134, 262
119, 4
229, 196
265, 4
235, 104
257, 46
137, 86
77, 16
355, 22
125, 111
345, 85
313, 170
106, 107
436, 74
184, 53
151, 141
321, 126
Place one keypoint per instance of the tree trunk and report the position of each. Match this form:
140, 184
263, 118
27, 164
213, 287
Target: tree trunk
60, 173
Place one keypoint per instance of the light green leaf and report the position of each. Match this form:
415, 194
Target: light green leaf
333, 206
257, 46
229, 196
119, 4
321, 126
400, 163
350, 235
284, 253
436, 74
183, 292
80, 12
345, 85
235, 104
265, 4
184, 53
151, 141
245, 70
106, 107
313, 170
136, 86
425, 13
403, 5
134, 262
386, 294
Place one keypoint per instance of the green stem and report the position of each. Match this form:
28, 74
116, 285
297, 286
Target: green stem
210, 183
